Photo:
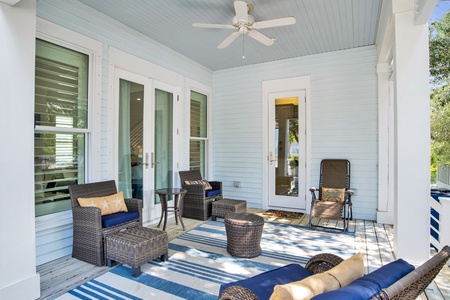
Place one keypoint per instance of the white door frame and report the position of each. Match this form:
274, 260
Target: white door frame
148, 141
281, 86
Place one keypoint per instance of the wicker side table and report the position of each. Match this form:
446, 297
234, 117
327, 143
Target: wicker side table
221, 208
136, 246
244, 231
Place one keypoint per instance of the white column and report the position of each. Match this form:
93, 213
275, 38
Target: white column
18, 277
412, 132
385, 202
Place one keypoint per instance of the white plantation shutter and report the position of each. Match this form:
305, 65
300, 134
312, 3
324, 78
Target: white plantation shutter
198, 133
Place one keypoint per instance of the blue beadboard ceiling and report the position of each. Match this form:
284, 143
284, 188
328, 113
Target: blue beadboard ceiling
322, 26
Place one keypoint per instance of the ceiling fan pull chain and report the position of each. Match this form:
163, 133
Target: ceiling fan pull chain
243, 49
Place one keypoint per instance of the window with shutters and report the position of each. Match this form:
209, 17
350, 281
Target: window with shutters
198, 137
61, 124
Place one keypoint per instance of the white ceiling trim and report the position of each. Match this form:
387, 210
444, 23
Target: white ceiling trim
10, 2
424, 8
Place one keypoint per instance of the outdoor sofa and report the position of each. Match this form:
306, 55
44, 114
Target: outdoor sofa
395, 280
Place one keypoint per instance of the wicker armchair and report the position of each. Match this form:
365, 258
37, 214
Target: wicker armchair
88, 232
409, 286
197, 204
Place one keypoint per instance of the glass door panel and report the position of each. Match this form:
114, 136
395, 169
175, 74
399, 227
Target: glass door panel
286, 151
287, 157
131, 138
163, 154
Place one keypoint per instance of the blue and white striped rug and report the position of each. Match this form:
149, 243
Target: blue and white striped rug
199, 263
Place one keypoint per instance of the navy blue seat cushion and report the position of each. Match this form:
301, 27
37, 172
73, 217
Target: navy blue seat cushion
210, 193
262, 284
118, 218
370, 284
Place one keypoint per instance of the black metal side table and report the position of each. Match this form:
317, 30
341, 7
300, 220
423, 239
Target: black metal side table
177, 205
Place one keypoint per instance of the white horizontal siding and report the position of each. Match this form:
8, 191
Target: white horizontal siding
343, 122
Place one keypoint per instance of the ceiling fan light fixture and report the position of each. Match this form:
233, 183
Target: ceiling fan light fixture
245, 24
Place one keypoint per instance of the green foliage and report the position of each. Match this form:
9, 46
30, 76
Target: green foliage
439, 40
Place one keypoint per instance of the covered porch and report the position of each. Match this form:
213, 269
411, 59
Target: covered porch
368, 104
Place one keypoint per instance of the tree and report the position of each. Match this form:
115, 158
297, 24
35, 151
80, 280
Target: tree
439, 41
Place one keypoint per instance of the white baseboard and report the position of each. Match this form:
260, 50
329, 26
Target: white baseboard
28, 288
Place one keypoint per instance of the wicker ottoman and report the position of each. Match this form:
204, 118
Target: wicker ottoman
244, 232
136, 246
221, 208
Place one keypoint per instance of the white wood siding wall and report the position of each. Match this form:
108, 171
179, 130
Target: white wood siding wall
54, 232
343, 121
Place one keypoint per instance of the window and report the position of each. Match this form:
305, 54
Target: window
61, 124
199, 139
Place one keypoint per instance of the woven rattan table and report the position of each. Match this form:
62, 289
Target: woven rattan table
136, 246
221, 208
244, 231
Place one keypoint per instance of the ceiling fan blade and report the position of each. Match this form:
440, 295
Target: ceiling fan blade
241, 9
206, 25
274, 23
229, 40
261, 37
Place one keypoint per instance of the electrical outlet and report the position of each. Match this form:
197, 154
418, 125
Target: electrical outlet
237, 184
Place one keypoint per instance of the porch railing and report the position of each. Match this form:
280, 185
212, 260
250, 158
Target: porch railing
439, 222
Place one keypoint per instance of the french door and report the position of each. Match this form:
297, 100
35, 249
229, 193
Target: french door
145, 143
287, 148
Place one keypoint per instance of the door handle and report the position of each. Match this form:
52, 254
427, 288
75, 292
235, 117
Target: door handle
153, 160
146, 160
271, 157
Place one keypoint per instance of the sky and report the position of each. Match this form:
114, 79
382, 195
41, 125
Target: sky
441, 8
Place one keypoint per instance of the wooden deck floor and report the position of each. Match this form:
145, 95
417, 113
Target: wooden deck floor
373, 240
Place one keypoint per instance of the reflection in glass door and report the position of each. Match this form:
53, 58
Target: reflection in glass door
286, 147
131, 121
163, 154
287, 157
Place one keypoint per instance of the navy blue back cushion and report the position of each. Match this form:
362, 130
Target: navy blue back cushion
210, 193
262, 284
119, 218
371, 284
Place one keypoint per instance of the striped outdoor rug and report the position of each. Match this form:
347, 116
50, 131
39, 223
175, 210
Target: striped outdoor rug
199, 263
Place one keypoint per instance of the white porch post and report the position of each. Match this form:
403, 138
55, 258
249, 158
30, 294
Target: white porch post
385, 210
18, 277
412, 132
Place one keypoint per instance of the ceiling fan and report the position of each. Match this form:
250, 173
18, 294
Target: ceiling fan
243, 23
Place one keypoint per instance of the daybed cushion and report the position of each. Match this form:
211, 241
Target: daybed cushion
370, 284
341, 275
119, 218
262, 284
107, 204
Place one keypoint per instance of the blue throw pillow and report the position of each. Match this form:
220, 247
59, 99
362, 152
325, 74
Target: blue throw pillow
262, 285
371, 284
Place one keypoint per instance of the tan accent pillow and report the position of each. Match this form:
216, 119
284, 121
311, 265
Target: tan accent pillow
333, 195
342, 275
202, 182
108, 204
